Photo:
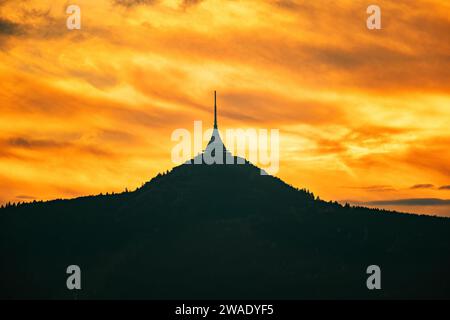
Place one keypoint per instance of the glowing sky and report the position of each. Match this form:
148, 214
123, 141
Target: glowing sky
363, 115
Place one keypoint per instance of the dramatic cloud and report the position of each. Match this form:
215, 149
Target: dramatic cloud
444, 187
9, 27
92, 110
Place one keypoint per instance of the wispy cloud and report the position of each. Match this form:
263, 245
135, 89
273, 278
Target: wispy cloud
411, 202
25, 197
375, 188
132, 3
422, 186
27, 143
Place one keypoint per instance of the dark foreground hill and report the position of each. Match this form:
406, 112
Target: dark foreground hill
220, 231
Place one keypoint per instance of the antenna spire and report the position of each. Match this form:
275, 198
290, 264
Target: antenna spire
215, 111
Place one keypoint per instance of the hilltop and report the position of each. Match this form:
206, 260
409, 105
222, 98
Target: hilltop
219, 231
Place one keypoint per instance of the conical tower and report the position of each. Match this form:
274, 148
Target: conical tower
215, 146
215, 137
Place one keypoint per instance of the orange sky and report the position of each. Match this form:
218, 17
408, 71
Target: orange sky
363, 115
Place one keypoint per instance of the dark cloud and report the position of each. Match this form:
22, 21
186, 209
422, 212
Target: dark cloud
42, 26
444, 187
411, 202
422, 186
25, 197
27, 143
9, 28
50, 27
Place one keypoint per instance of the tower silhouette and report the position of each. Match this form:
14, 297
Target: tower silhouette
215, 137
215, 110
215, 152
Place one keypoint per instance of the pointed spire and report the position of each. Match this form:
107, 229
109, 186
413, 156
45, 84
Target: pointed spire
215, 111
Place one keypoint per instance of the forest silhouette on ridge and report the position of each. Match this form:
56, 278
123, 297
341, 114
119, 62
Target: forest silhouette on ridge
219, 231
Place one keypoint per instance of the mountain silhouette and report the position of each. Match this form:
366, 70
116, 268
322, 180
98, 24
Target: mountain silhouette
220, 231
